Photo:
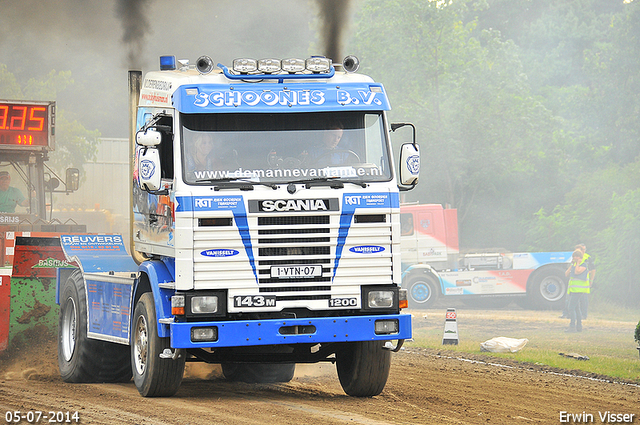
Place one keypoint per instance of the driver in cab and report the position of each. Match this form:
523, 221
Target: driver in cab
327, 151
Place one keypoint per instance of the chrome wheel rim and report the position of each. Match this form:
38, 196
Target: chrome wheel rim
68, 328
141, 345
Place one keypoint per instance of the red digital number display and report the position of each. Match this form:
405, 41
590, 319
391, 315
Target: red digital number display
24, 124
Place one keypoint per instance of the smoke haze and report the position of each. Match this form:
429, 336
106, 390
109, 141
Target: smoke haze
135, 27
335, 16
98, 41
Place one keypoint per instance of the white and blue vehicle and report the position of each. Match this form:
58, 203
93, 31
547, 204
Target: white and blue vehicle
266, 229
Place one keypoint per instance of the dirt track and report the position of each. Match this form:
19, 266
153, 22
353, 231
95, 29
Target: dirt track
425, 386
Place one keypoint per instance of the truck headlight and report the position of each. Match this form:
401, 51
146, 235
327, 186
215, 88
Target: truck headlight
380, 299
204, 304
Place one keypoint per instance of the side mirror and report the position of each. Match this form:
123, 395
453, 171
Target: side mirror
72, 181
409, 164
149, 137
409, 159
149, 174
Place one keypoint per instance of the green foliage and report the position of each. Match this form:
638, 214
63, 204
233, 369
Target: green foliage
636, 335
528, 116
484, 133
9, 87
602, 212
75, 145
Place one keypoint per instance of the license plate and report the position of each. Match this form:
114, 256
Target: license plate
290, 272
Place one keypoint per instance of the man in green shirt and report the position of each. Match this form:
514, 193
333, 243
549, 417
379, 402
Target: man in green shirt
9, 195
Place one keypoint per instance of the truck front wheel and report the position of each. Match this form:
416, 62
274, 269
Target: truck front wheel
422, 290
363, 368
81, 359
154, 376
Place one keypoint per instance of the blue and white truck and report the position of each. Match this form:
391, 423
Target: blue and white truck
266, 232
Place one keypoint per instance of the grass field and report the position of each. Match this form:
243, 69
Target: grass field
607, 338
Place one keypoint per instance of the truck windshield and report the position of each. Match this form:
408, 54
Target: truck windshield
282, 148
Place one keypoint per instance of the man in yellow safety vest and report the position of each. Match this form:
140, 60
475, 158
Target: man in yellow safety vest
578, 274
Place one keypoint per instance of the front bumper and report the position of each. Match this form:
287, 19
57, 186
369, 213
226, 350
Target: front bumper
277, 331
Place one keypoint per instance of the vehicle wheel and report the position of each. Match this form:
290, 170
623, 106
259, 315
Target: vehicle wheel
422, 289
363, 368
258, 373
547, 289
153, 376
81, 359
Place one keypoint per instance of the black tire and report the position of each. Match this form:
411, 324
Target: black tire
422, 290
153, 376
80, 359
547, 289
363, 368
258, 373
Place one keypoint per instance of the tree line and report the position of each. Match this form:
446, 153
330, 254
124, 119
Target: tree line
528, 119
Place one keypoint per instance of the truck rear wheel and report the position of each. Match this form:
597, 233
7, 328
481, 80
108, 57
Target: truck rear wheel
258, 373
547, 289
81, 359
363, 368
422, 290
154, 376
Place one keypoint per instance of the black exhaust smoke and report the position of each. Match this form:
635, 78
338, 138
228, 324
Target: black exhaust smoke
135, 27
335, 17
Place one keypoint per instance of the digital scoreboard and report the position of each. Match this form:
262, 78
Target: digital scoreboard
27, 125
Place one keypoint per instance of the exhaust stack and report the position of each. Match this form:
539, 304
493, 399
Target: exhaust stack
135, 84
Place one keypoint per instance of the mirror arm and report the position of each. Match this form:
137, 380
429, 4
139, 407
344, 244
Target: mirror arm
395, 126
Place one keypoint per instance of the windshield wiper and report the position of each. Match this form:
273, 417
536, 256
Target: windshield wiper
334, 182
236, 183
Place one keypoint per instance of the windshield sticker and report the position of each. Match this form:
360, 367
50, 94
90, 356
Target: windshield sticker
338, 172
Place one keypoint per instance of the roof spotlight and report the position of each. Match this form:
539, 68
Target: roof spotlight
269, 66
204, 64
245, 65
293, 65
318, 64
351, 63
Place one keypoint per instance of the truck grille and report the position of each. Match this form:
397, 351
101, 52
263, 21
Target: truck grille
303, 239
294, 240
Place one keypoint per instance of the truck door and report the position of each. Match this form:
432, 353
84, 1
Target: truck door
431, 238
408, 240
